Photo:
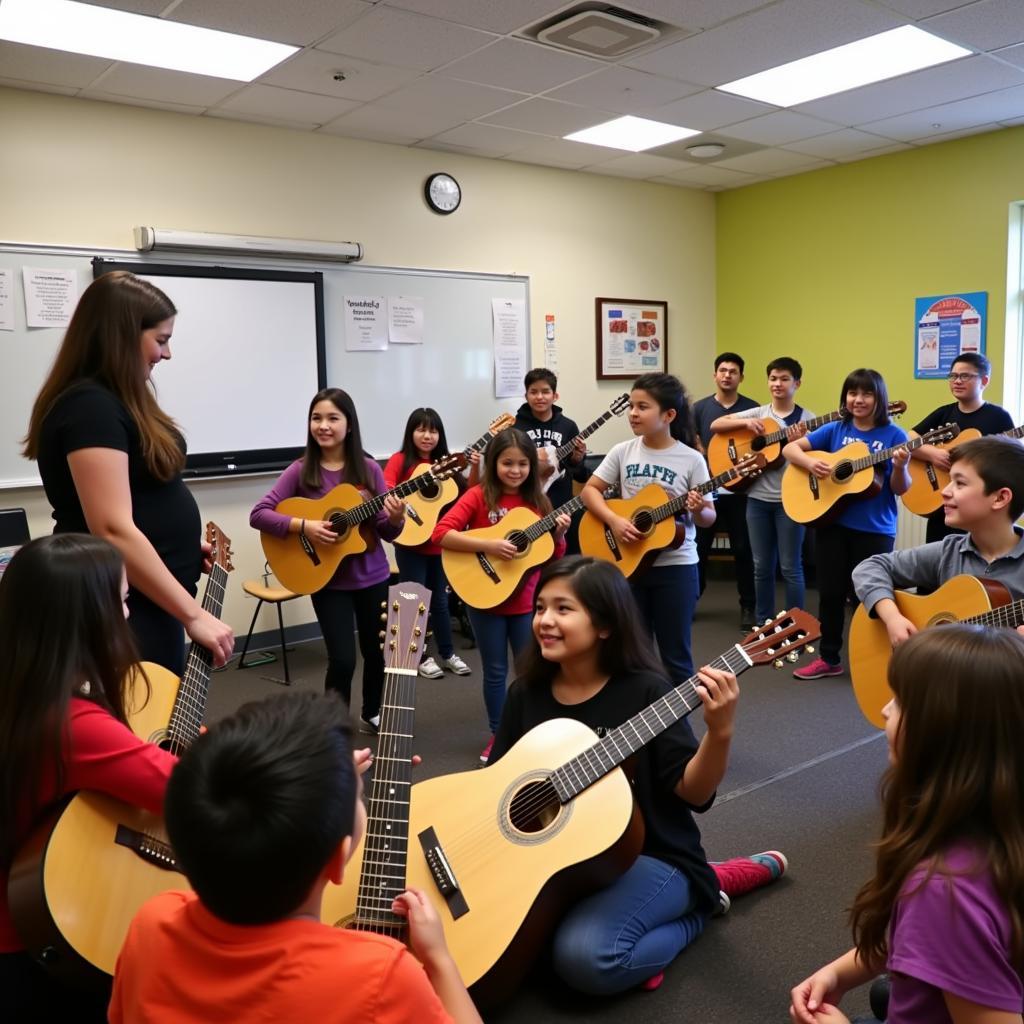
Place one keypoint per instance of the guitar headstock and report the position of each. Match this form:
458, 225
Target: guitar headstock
896, 408
782, 638
941, 434
620, 405
500, 423
752, 464
221, 544
450, 464
405, 631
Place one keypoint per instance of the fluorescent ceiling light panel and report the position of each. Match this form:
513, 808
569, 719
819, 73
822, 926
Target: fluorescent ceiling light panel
634, 134
137, 39
896, 52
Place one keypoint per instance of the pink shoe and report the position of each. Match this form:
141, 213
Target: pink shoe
653, 982
744, 874
818, 669
485, 754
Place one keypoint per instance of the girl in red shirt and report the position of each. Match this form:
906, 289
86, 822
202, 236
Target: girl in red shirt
510, 480
65, 655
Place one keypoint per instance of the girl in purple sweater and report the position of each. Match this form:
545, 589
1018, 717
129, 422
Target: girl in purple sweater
334, 455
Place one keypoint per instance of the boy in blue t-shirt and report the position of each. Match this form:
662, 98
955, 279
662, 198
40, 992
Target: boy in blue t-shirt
866, 526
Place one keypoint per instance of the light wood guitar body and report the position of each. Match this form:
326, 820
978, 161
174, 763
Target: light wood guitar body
423, 508
725, 450
598, 541
961, 598
813, 501
485, 581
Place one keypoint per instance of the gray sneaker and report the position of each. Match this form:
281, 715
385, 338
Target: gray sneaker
455, 664
430, 669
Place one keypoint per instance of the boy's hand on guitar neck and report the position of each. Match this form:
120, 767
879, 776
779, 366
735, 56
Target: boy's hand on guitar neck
719, 692
796, 431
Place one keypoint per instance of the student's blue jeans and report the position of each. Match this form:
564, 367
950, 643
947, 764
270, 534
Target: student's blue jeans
428, 571
775, 538
667, 596
621, 936
495, 634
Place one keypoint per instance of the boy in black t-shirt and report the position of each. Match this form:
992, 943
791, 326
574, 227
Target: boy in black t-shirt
968, 378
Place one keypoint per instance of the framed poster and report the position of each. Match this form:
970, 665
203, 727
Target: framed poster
632, 337
945, 326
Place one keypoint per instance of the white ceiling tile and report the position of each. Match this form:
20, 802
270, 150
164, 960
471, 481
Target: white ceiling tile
634, 165
924, 8
549, 117
501, 16
951, 117
562, 153
51, 67
770, 161
978, 129
778, 128
266, 119
517, 64
485, 139
145, 83
1012, 121
709, 110
296, 23
135, 101
967, 77
1011, 54
57, 90
982, 26
151, 7
836, 146
625, 91
268, 101
765, 38
314, 70
696, 14
397, 37
372, 121
710, 175
461, 101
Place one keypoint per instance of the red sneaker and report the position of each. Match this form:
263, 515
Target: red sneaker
653, 982
744, 874
485, 754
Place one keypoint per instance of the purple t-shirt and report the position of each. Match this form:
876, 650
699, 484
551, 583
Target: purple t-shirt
951, 934
356, 571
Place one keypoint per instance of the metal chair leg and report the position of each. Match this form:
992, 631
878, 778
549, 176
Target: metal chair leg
248, 637
284, 651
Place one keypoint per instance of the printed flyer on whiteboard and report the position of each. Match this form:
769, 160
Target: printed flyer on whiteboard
946, 326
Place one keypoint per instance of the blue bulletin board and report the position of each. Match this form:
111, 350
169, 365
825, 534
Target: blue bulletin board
944, 327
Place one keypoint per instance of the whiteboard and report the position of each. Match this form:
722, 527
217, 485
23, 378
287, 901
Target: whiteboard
261, 388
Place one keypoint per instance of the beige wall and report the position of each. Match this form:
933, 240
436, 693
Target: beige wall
80, 173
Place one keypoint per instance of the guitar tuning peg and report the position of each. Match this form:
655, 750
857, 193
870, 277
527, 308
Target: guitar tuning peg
382, 634
770, 650
778, 663
383, 617
792, 657
809, 648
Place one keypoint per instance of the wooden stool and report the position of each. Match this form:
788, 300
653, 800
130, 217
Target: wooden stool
271, 595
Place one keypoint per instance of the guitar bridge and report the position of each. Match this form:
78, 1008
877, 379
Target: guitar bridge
413, 515
815, 489
488, 569
148, 848
613, 544
731, 449
933, 480
442, 874
309, 549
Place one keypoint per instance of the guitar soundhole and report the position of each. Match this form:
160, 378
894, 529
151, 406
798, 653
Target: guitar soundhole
519, 540
430, 491
757, 444
534, 807
842, 472
643, 521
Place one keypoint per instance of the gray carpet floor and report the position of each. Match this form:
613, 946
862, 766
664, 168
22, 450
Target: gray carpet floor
803, 778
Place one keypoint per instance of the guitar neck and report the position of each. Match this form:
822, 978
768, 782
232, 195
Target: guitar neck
385, 846
565, 449
479, 444
596, 761
190, 703
1017, 432
1008, 615
812, 424
678, 503
371, 507
886, 453
548, 522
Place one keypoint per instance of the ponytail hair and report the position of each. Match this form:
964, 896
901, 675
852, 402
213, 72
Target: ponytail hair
670, 394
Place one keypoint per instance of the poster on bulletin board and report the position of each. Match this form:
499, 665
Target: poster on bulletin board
944, 327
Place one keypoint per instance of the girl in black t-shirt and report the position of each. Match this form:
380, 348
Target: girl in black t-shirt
592, 662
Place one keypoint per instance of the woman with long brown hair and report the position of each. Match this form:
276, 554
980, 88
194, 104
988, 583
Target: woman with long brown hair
944, 911
111, 459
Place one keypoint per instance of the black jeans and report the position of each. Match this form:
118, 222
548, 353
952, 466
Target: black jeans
344, 614
840, 551
160, 637
732, 516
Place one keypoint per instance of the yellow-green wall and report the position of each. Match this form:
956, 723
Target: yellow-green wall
825, 266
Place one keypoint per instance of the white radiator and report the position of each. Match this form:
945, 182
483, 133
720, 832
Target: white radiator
910, 529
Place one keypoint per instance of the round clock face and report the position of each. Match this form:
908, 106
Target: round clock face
443, 193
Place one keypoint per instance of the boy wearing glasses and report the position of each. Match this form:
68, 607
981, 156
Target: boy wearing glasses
968, 378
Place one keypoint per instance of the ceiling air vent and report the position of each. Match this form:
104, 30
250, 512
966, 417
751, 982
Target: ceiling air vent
600, 33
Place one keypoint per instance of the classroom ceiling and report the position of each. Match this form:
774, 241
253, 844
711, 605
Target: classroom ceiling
461, 76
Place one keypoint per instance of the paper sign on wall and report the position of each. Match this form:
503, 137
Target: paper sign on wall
508, 324
50, 296
946, 326
405, 320
6, 300
366, 328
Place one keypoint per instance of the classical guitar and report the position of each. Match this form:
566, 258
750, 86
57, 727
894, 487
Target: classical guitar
551, 463
503, 850
423, 507
726, 450
79, 880
856, 473
485, 581
375, 875
927, 482
653, 513
304, 566
961, 599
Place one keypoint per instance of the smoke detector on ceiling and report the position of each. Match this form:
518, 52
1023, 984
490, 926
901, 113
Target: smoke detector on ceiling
600, 33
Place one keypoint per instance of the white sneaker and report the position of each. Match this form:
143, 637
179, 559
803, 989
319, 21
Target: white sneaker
457, 665
430, 669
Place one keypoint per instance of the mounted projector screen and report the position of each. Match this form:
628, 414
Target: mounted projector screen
247, 355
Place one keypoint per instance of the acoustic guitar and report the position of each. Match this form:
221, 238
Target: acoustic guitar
305, 566
80, 878
961, 599
501, 851
551, 464
725, 450
423, 507
653, 513
856, 473
485, 581
927, 482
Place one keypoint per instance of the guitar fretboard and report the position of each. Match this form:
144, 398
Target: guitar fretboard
1008, 615
565, 449
609, 752
856, 465
372, 506
678, 504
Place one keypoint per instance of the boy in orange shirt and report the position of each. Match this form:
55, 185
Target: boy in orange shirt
263, 811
